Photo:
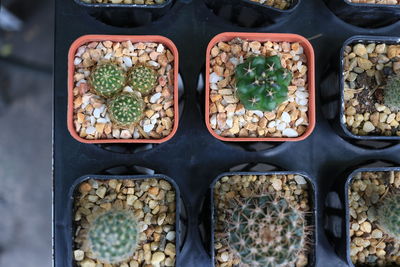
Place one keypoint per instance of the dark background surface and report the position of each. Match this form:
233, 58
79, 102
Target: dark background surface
26, 59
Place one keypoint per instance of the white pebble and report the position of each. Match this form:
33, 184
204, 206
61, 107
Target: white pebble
116, 133
125, 134
148, 127
259, 113
271, 124
77, 61
92, 120
127, 61
298, 122
234, 61
155, 98
214, 78
285, 117
229, 122
281, 126
300, 179
108, 56
80, 51
170, 236
136, 134
303, 102
96, 113
160, 48
213, 120
214, 86
290, 132
90, 130
301, 94
127, 89
102, 120
154, 64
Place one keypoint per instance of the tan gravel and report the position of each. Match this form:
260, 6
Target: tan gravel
91, 119
153, 203
369, 245
281, 4
136, 2
379, 2
294, 187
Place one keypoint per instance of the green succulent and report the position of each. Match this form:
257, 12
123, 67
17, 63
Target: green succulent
142, 79
389, 215
107, 79
262, 83
266, 231
113, 236
392, 93
125, 109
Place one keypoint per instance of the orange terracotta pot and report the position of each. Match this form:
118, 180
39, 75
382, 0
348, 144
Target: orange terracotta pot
263, 37
119, 38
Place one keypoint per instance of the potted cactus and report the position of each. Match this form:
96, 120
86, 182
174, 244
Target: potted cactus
258, 222
122, 89
370, 79
260, 87
125, 220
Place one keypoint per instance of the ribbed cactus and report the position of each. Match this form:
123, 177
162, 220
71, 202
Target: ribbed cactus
266, 231
262, 83
388, 218
113, 236
107, 79
125, 109
142, 79
392, 93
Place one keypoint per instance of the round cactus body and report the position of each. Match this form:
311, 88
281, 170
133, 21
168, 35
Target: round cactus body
388, 217
143, 79
262, 83
392, 93
264, 231
125, 109
107, 79
113, 236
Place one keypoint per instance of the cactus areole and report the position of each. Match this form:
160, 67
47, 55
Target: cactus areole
262, 83
389, 215
113, 236
266, 231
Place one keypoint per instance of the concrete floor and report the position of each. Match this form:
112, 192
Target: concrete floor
25, 141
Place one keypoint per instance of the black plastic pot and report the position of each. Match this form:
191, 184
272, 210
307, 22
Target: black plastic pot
365, 15
247, 13
313, 201
364, 40
69, 228
337, 217
126, 15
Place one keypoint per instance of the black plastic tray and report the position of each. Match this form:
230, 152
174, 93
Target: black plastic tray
193, 158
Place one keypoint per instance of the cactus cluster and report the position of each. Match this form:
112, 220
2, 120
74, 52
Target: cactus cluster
125, 109
108, 80
142, 79
389, 215
392, 93
266, 231
262, 83
113, 236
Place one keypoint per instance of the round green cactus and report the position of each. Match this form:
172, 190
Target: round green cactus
113, 236
262, 83
125, 109
107, 79
392, 93
142, 79
265, 231
389, 215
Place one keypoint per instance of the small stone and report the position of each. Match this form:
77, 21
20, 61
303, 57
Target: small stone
368, 127
366, 227
88, 263
79, 255
360, 50
101, 191
277, 184
170, 250
300, 179
224, 256
157, 258
170, 236
85, 188
377, 234
364, 63
290, 133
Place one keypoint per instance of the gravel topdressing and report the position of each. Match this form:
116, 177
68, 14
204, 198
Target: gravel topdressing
281, 4
377, 2
136, 2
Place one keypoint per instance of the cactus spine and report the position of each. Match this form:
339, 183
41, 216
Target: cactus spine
125, 109
389, 215
266, 231
262, 83
107, 79
142, 79
113, 236
392, 93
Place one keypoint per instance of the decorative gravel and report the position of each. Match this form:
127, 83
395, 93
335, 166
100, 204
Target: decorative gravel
369, 245
281, 4
136, 2
378, 2
152, 201
366, 69
295, 188
229, 118
91, 118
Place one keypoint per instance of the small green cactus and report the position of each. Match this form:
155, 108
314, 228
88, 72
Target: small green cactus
266, 231
113, 236
262, 83
388, 215
107, 79
125, 109
392, 93
142, 79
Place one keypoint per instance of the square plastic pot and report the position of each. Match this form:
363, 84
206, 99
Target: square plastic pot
342, 121
68, 236
365, 15
264, 37
119, 38
312, 194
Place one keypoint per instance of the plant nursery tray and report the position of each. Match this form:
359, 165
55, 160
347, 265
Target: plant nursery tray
194, 158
